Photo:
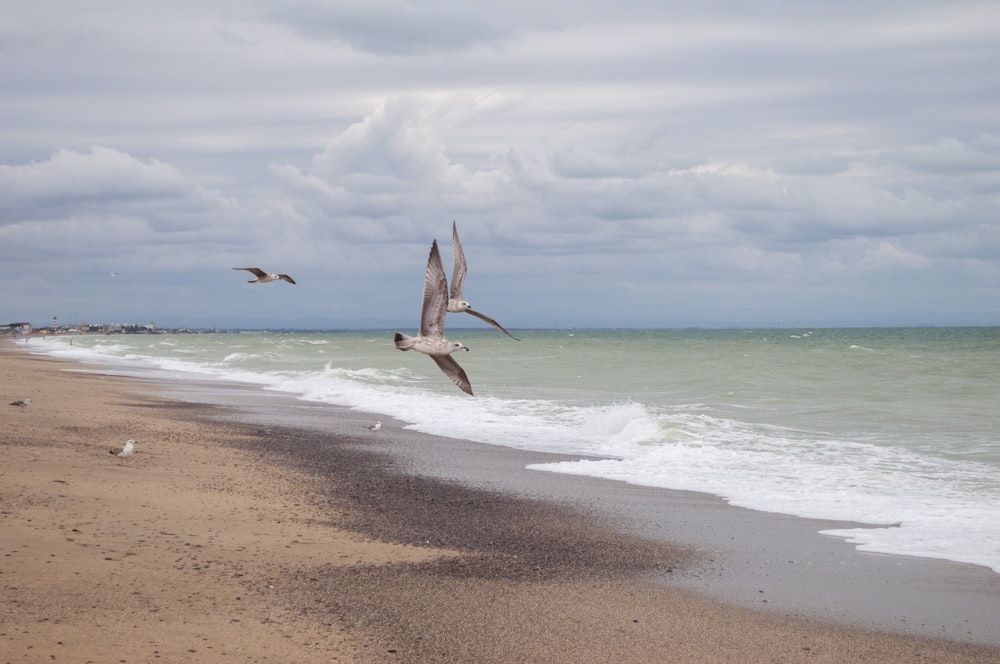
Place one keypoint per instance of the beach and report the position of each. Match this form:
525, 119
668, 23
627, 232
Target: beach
235, 534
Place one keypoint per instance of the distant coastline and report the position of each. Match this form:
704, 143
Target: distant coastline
28, 330
18, 330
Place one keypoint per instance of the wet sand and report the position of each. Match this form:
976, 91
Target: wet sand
255, 533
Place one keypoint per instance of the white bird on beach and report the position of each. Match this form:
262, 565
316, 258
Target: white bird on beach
375, 426
265, 277
456, 304
21, 403
431, 340
124, 452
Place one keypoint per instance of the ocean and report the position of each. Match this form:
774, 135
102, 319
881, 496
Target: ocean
898, 428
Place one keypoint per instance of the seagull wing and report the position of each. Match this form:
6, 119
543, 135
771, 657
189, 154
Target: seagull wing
286, 278
487, 319
256, 270
435, 296
456, 373
458, 274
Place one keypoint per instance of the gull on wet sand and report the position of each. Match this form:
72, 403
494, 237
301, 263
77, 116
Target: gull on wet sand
374, 426
124, 452
431, 339
456, 304
21, 403
265, 277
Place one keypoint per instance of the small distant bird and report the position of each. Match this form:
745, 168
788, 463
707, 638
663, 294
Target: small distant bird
113, 274
21, 403
456, 304
265, 277
431, 340
374, 426
124, 452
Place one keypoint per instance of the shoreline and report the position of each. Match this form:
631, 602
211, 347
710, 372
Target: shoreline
328, 543
766, 561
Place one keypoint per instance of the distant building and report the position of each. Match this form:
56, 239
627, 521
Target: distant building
17, 328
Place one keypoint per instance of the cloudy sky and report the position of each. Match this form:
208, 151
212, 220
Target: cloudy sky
626, 163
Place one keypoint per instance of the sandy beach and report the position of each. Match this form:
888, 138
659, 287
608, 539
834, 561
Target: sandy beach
221, 541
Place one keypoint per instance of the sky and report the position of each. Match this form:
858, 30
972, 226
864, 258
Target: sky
608, 164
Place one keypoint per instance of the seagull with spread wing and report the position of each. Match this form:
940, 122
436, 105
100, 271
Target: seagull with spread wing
431, 339
265, 277
456, 304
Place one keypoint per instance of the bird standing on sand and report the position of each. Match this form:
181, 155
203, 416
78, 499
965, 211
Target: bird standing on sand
21, 403
431, 340
265, 277
124, 452
456, 304
375, 426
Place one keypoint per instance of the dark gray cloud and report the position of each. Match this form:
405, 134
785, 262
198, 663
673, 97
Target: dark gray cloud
391, 27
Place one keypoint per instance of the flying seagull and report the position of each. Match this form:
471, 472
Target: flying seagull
21, 403
265, 277
431, 340
375, 426
456, 304
124, 452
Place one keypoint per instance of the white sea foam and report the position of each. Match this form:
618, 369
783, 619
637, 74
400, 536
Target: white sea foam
918, 506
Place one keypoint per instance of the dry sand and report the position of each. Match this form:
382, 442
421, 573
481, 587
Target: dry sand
206, 547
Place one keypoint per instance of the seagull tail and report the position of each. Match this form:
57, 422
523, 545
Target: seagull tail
403, 342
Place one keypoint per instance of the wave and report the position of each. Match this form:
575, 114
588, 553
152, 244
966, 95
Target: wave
916, 505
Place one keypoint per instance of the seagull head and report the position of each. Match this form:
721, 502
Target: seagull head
456, 345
